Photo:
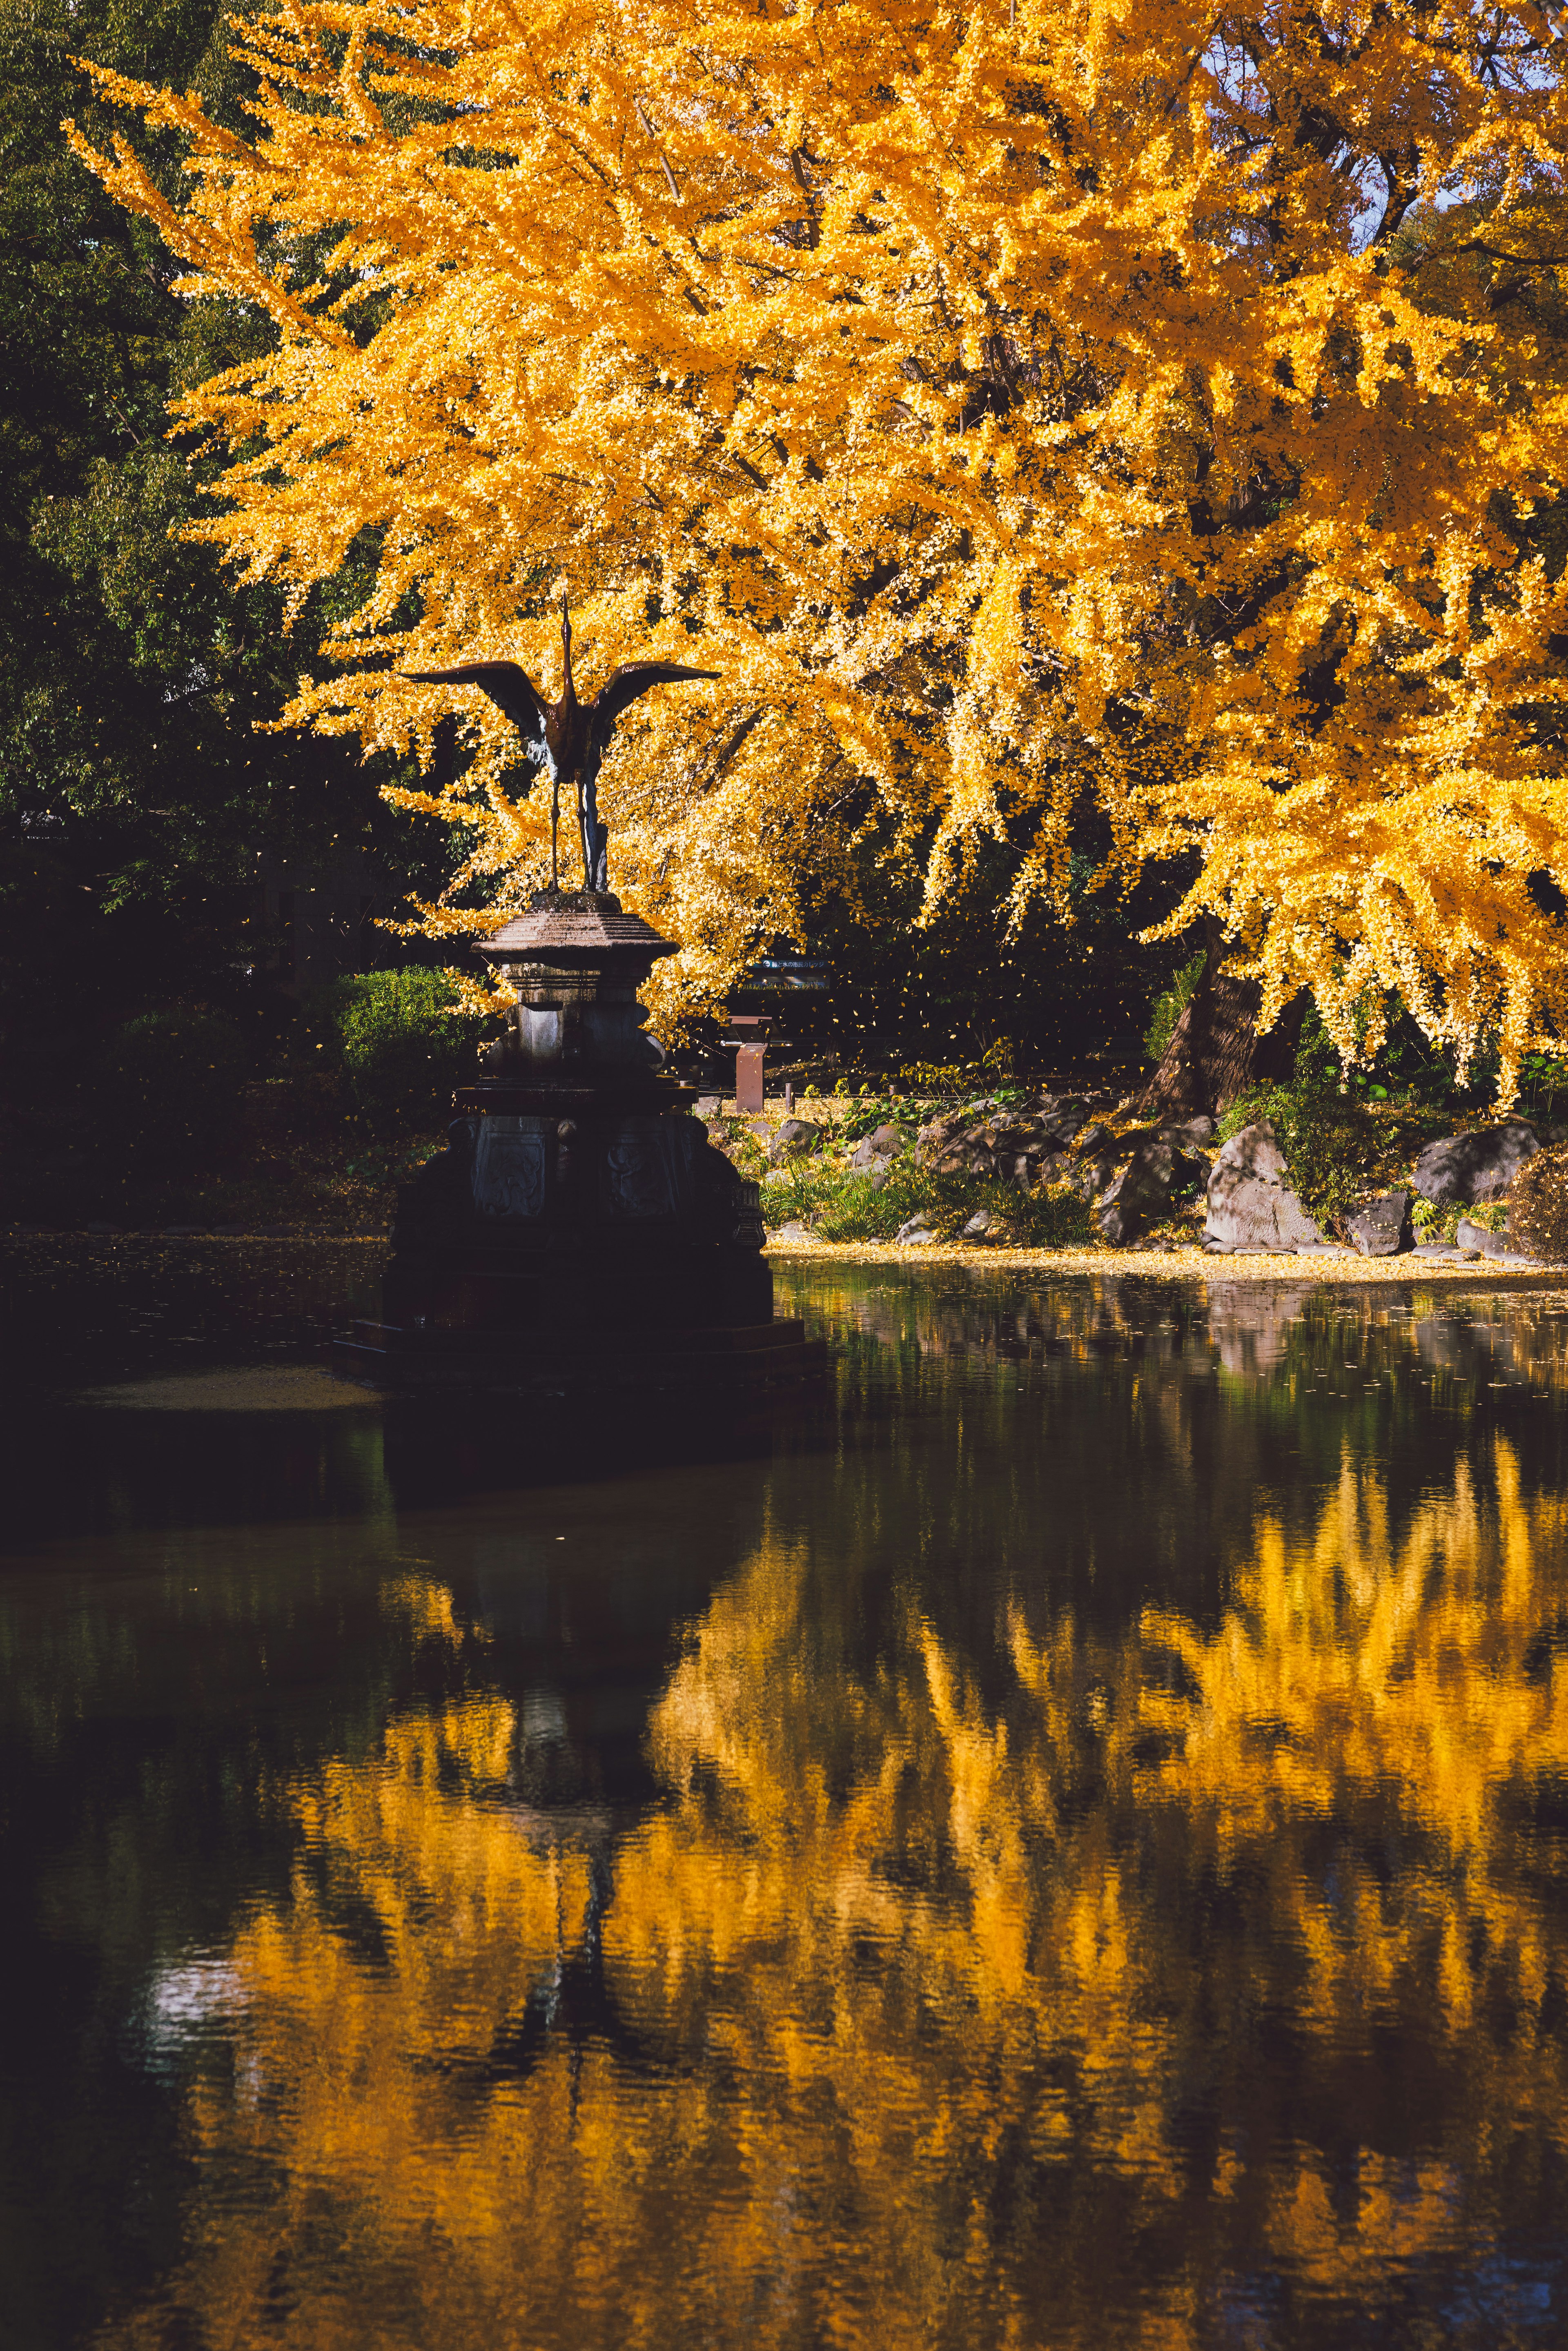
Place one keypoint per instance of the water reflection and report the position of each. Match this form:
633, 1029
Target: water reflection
1070, 1850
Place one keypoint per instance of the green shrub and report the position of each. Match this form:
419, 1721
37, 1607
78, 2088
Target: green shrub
403, 1048
1169, 1008
169, 1085
1328, 1137
1544, 1078
1538, 1206
844, 1204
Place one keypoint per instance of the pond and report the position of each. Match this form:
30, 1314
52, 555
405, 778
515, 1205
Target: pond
1059, 1840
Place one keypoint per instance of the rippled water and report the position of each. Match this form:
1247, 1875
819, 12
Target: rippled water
1062, 1843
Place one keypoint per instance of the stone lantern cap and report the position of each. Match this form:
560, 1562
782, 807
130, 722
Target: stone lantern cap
587, 927
576, 1042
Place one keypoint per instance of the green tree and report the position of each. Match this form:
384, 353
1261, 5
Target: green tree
135, 671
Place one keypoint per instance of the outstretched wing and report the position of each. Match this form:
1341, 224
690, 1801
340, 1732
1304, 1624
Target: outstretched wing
509, 687
628, 684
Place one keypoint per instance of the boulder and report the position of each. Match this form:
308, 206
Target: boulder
1063, 1118
1091, 1174
1051, 1167
792, 1233
972, 1153
1092, 1139
1478, 1167
1383, 1227
882, 1144
913, 1234
794, 1139
1498, 1245
1140, 1194
1250, 1204
978, 1226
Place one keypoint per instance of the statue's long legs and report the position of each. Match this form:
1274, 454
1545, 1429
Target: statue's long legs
587, 825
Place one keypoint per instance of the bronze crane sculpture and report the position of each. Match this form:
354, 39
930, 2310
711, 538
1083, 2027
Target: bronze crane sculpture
567, 738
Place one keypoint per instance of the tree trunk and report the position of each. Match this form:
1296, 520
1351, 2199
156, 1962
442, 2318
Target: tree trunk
1215, 1052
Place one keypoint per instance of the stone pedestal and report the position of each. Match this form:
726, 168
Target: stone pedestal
578, 1229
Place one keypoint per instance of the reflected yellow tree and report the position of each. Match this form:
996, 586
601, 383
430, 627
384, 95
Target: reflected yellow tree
930, 1980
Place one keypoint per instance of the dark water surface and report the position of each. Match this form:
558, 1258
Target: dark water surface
1062, 1842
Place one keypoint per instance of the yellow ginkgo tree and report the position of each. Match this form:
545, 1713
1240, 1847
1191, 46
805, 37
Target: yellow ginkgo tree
1027, 408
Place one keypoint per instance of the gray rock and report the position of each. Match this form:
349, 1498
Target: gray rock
1494, 1245
794, 1139
1471, 1167
1063, 1118
791, 1233
978, 1226
882, 1144
913, 1234
1049, 1168
1383, 1227
1139, 1194
879, 1176
1095, 1138
1250, 1204
1444, 1253
1090, 1176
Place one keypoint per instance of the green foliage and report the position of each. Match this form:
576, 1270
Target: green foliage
169, 1086
1169, 1008
401, 1046
1432, 1223
137, 677
1544, 1081
1328, 1135
844, 1204
871, 1111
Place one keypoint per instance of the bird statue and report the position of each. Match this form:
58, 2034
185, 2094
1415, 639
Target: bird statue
567, 738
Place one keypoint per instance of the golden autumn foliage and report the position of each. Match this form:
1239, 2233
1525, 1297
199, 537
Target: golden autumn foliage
772, 2061
1017, 403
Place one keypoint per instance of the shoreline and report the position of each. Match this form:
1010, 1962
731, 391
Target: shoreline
1345, 1267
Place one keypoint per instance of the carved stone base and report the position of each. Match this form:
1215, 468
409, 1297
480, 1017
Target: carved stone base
579, 1230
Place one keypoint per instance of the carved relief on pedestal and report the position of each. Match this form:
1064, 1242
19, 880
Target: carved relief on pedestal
508, 1168
637, 1181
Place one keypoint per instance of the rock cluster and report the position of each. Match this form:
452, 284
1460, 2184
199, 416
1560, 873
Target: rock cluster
1136, 1178
1026, 1144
